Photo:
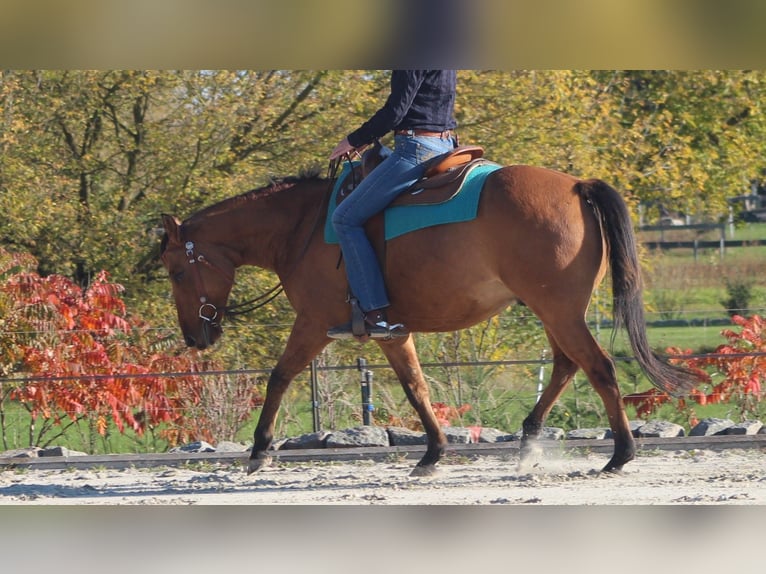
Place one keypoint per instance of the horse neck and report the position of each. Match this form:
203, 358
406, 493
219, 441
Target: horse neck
265, 228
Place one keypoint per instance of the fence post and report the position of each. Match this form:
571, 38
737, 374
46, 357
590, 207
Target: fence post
541, 376
315, 396
366, 385
722, 248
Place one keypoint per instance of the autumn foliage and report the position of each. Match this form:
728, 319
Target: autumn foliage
738, 370
85, 358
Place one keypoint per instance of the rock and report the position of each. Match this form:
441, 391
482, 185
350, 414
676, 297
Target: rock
400, 436
493, 435
546, 433
552, 433
508, 437
661, 429
198, 446
60, 451
587, 433
358, 437
457, 435
711, 426
308, 440
228, 446
745, 427
30, 452
276, 444
635, 426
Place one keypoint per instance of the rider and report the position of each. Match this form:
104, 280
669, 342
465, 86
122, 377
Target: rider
419, 110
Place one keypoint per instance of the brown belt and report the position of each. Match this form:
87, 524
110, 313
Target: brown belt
444, 135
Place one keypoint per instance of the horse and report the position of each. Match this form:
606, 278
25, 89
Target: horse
540, 236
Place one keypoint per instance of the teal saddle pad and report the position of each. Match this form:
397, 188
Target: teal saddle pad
401, 219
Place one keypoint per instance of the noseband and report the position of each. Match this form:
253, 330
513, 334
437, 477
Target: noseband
207, 311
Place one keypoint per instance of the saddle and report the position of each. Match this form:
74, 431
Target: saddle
443, 177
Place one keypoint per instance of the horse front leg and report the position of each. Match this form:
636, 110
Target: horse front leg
302, 346
403, 358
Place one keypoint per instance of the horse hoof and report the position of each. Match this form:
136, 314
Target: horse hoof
424, 471
257, 463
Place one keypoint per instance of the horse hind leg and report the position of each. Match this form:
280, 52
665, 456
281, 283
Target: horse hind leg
404, 361
564, 370
580, 346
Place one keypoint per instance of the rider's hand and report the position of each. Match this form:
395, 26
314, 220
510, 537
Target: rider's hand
342, 149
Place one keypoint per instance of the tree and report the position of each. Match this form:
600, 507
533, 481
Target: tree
90, 159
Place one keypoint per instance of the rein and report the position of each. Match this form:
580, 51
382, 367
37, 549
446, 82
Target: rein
239, 308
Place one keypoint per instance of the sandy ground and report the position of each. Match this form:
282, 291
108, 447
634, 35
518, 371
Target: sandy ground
705, 477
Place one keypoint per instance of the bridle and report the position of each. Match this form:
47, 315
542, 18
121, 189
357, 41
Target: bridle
207, 311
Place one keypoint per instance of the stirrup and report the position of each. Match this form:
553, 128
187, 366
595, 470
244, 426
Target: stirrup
362, 327
385, 330
380, 331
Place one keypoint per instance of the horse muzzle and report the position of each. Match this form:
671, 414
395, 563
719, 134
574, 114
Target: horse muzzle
209, 328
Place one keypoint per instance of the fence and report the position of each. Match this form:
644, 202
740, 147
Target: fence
365, 404
696, 244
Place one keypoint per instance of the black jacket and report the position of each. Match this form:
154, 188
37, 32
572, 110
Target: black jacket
419, 100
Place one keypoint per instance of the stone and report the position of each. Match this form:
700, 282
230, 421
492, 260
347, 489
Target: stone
488, 434
229, 446
457, 435
309, 440
193, 447
711, 426
30, 452
358, 437
546, 433
400, 436
508, 437
661, 429
745, 427
60, 451
586, 434
552, 433
635, 426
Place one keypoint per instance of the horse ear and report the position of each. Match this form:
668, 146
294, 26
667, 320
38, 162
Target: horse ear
172, 227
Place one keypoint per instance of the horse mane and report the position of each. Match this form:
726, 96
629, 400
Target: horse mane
275, 186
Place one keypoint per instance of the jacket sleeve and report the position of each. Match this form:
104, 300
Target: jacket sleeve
404, 87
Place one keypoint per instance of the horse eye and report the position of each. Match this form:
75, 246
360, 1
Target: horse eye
176, 277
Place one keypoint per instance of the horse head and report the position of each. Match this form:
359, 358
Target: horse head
201, 277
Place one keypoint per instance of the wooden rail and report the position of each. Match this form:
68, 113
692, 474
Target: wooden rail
695, 244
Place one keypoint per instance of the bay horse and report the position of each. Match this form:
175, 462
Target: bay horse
540, 236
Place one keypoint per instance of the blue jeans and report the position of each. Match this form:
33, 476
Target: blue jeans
395, 174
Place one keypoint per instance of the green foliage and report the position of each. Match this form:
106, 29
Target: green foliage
740, 293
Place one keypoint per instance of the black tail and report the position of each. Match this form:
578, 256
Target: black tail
627, 287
